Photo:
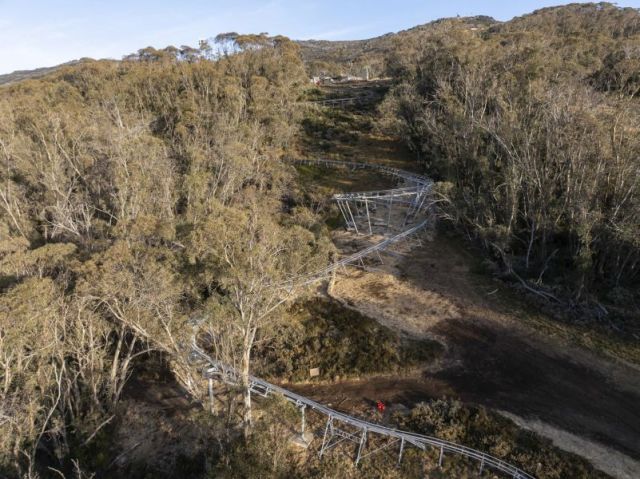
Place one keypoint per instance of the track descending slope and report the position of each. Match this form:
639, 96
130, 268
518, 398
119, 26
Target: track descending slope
405, 216
402, 212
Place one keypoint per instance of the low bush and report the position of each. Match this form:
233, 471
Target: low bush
341, 342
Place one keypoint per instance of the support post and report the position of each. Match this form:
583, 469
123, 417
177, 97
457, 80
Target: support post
344, 213
304, 423
355, 227
212, 408
389, 212
406, 217
481, 466
440, 458
366, 205
363, 440
423, 193
401, 451
326, 432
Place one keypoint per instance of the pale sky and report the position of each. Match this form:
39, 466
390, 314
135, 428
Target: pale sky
38, 33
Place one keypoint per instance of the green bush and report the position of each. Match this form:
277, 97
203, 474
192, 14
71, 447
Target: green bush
341, 342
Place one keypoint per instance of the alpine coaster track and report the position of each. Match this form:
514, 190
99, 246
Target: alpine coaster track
402, 212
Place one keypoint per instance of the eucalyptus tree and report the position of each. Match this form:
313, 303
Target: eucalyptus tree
252, 264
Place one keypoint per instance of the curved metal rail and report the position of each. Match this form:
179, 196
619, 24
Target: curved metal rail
355, 165
411, 197
418, 189
417, 193
403, 439
311, 278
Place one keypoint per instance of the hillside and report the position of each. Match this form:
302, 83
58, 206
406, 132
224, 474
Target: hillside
211, 267
519, 122
352, 57
20, 75
333, 57
479, 79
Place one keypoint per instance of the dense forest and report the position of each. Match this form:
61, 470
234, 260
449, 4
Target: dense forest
141, 198
531, 127
115, 177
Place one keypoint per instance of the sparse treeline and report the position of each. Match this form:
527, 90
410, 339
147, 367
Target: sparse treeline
131, 195
533, 129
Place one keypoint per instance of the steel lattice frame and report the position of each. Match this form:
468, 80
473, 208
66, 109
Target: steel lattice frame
335, 433
413, 199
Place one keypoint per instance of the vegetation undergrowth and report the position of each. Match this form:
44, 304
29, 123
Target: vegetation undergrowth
530, 128
480, 428
321, 333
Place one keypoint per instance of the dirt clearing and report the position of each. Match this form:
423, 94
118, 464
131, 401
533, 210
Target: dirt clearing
493, 358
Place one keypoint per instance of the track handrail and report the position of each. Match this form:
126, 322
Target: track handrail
353, 258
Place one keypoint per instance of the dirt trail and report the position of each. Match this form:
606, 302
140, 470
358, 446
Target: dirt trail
493, 357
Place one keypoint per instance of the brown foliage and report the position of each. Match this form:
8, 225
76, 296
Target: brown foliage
124, 188
537, 160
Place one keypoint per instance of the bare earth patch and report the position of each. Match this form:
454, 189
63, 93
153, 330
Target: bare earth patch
395, 303
493, 358
603, 457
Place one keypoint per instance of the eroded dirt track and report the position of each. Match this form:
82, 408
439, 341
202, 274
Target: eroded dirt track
492, 358
504, 371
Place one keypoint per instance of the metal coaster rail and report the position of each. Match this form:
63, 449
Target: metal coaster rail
421, 189
418, 189
229, 375
351, 259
